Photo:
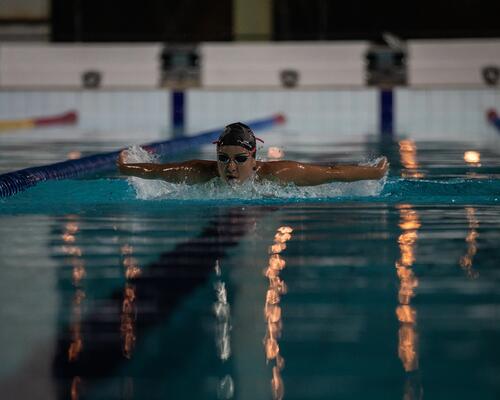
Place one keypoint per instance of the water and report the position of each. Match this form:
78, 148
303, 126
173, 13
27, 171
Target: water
384, 289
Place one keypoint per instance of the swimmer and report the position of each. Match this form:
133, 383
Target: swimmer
236, 163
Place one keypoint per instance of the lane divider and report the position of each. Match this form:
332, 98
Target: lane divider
67, 118
493, 118
17, 181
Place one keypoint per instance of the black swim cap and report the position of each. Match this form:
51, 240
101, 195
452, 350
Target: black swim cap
238, 134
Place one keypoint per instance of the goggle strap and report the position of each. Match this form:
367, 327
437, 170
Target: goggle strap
256, 138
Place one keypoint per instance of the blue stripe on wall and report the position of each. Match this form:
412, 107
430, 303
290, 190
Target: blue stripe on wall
386, 112
178, 112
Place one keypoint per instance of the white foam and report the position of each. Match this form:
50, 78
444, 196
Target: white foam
214, 190
147, 189
372, 163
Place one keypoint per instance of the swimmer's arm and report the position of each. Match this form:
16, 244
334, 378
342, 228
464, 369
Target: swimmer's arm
190, 172
310, 174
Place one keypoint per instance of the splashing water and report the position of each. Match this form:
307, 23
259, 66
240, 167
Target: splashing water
148, 189
215, 189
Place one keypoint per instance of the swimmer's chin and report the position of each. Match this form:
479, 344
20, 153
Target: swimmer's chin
235, 181
232, 180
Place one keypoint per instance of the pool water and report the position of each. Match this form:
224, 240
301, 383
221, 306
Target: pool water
384, 290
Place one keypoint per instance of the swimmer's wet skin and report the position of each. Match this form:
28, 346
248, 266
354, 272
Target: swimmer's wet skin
236, 163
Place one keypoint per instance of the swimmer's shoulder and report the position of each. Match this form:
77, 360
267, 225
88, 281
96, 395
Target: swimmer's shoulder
201, 163
268, 170
205, 169
190, 171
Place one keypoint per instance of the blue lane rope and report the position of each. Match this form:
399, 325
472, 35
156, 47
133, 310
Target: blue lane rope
17, 181
493, 118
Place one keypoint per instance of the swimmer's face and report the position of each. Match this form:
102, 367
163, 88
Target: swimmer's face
235, 164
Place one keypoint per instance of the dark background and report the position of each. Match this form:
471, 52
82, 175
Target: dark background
357, 19
141, 20
211, 20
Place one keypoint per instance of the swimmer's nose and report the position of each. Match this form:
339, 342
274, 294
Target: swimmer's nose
231, 166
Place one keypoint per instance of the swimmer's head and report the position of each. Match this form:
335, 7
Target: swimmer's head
238, 134
236, 149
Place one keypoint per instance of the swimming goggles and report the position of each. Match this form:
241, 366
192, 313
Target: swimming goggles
239, 159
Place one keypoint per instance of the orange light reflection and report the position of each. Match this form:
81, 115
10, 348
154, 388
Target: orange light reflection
473, 158
128, 316
76, 344
272, 309
277, 386
406, 314
74, 155
408, 156
275, 153
75, 388
471, 240
127, 326
78, 273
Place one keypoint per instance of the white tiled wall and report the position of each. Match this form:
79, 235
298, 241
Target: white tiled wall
236, 65
343, 113
260, 64
451, 61
445, 114
59, 65
138, 110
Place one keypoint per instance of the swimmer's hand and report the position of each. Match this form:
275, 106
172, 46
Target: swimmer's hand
382, 167
141, 170
121, 160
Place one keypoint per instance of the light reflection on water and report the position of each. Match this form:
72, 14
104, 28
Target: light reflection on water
350, 267
129, 309
471, 240
75, 254
273, 311
331, 306
408, 154
407, 314
222, 311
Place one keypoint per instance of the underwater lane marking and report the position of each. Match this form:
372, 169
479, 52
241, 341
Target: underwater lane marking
159, 289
